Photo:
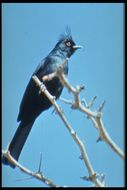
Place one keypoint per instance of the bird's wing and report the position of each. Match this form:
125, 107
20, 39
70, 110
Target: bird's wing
44, 68
31, 93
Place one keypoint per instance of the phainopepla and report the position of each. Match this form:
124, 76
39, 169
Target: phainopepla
34, 103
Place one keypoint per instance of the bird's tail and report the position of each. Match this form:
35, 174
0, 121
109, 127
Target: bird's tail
18, 141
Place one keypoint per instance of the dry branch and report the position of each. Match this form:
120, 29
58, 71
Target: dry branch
96, 117
38, 175
92, 174
81, 105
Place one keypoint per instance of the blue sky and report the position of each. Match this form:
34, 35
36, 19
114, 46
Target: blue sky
29, 32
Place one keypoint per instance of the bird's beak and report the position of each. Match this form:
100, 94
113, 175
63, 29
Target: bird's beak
77, 47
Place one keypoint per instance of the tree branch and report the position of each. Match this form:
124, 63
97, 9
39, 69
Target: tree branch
96, 117
92, 175
81, 105
38, 175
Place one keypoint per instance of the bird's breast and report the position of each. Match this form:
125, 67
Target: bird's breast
60, 60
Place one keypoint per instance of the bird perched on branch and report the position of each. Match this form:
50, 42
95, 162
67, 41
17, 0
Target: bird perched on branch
34, 103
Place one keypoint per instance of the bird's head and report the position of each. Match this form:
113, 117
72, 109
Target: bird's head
66, 44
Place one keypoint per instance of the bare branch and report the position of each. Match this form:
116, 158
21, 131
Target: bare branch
81, 105
96, 117
71, 131
36, 175
105, 136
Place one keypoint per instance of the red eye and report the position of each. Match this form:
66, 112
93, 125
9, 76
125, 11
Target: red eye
68, 44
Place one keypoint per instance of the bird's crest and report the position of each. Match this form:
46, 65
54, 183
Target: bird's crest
67, 35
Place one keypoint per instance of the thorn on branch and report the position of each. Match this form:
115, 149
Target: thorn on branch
99, 139
89, 178
86, 178
53, 111
26, 178
81, 157
101, 106
79, 88
66, 101
83, 101
91, 102
102, 178
82, 87
94, 177
40, 164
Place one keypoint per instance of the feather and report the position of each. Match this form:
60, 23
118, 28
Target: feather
66, 36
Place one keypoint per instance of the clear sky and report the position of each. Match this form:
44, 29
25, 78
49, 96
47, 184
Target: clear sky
29, 32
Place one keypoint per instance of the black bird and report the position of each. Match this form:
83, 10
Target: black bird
34, 103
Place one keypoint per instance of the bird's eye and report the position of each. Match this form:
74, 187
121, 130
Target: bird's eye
68, 44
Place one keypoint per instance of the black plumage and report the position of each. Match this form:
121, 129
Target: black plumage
33, 103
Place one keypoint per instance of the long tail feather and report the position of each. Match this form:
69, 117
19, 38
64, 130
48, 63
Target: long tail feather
18, 141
